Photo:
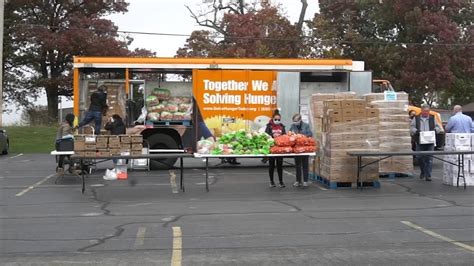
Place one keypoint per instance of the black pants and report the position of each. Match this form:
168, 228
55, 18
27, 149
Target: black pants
61, 160
271, 169
301, 163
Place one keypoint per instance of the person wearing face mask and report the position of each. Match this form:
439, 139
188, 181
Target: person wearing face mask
301, 162
275, 128
424, 122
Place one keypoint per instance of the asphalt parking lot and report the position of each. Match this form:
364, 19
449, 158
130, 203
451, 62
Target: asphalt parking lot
241, 221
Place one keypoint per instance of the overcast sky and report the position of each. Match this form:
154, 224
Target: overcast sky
168, 16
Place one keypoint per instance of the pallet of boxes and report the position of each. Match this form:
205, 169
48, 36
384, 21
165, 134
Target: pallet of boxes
103, 146
458, 142
394, 132
347, 124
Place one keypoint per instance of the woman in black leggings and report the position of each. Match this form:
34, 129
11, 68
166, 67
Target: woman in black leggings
275, 128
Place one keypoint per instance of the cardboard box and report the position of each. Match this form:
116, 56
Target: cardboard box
102, 145
80, 138
137, 139
125, 146
347, 113
79, 146
459, 139
114, 139
103, 152
137, 146
90, 154
371, 112
360, 112
332, 113
347, 104
114, 145
102, 139
125, 139
359, 104
333, 104
114, 152
90, 147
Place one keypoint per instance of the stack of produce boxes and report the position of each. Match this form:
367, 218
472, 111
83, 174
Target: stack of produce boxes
102, 145
114, 145
458, 142
348, 125
394, 131
125, 144
137, 145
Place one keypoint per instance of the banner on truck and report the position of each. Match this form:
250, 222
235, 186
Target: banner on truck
230, 100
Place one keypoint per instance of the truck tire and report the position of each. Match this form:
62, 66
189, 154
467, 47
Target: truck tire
5, 151
162, 141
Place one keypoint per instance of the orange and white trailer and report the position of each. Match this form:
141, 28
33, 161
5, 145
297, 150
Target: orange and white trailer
227, 94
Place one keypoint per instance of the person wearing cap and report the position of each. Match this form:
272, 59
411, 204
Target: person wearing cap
97, 107
301, 162
459, 122
424, 122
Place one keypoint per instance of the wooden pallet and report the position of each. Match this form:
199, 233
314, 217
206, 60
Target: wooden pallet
395, 175
335, 185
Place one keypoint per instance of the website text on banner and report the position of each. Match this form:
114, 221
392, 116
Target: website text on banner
231, 100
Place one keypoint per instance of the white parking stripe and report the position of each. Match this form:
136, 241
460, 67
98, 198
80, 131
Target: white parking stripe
174, 187
33, 186
438, 236
16, 156
140, 237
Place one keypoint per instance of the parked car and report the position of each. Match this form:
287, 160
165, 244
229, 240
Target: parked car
4, 142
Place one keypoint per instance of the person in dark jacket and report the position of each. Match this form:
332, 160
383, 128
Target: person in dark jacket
302, 162
115, 125
66, 128
97, 108
275, 128
424, 122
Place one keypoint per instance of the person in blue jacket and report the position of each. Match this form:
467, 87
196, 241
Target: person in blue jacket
301, 162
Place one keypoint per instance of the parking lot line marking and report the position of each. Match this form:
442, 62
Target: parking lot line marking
438, 236
140, 237
174, 187
33, 186
177, 246
16, 156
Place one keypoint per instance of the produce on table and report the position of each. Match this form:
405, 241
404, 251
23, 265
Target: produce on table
241, 142
152, 100
162, 94
281, 150
205, 146
171, 107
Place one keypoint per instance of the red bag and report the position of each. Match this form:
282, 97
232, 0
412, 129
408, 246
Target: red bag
281, 150
284, 141
304, 149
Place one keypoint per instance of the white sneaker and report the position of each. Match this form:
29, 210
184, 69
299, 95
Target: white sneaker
305, 184
296, 184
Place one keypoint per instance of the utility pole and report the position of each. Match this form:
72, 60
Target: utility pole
2, 6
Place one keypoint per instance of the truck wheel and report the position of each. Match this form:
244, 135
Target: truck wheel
162, 141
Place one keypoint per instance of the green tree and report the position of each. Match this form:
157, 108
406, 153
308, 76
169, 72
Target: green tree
420, 45
242, 29
41, 38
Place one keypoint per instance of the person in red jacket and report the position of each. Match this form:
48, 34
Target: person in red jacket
275, 128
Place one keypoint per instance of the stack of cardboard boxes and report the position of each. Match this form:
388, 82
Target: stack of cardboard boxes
459, 142
347, 125
394, 131
104, 145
